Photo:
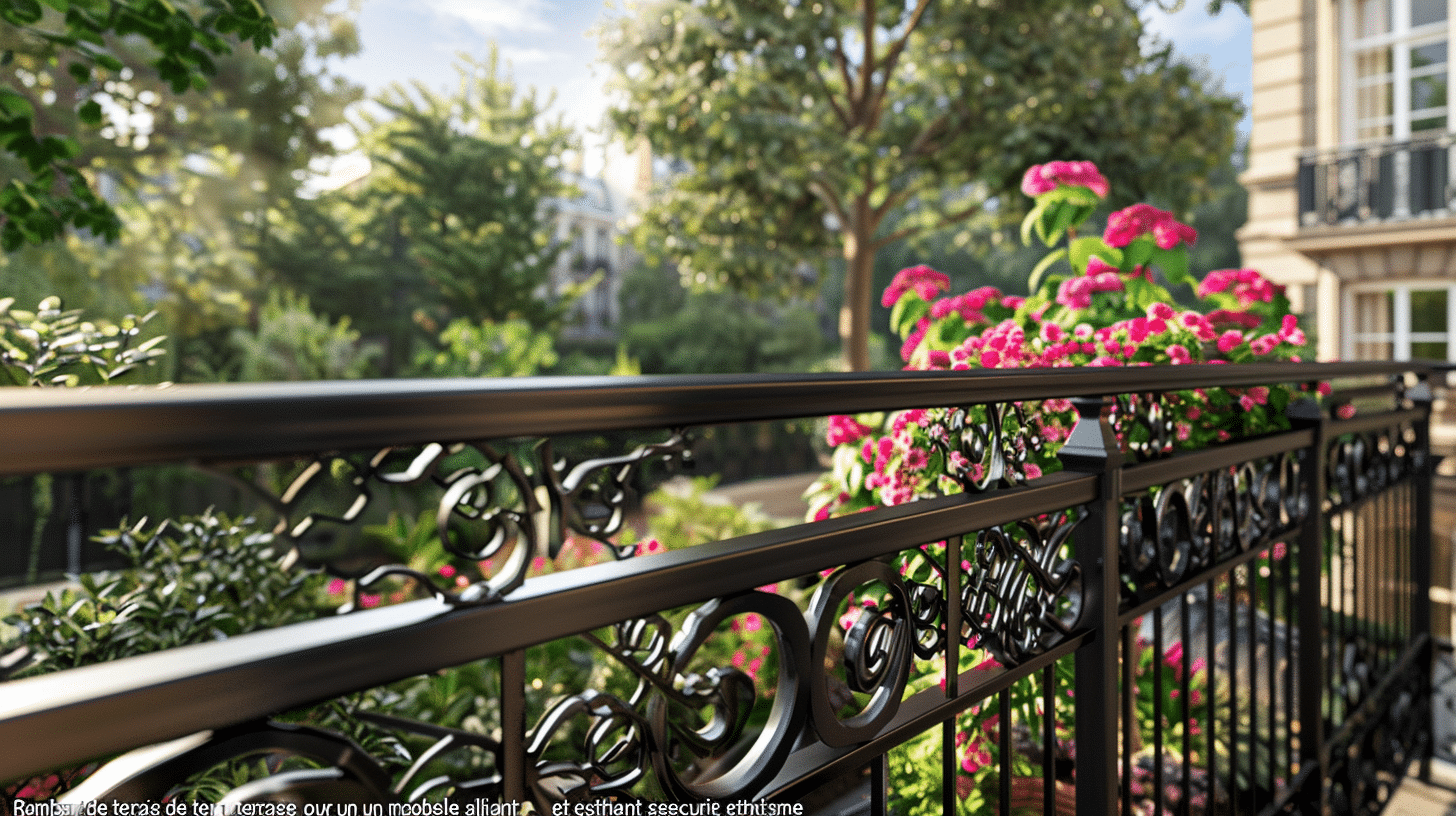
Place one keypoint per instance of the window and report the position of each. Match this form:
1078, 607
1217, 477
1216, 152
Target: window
1396, 68
1401, 323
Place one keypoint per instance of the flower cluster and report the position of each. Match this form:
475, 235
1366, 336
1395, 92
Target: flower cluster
1102, 303
1044, 178
1127, 225
1246, 285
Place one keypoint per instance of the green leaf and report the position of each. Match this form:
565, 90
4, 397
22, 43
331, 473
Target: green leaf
1082, 249
1034, 282
1032, 219
1174, 263
89, 112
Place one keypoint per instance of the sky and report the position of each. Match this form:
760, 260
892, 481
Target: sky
548, 45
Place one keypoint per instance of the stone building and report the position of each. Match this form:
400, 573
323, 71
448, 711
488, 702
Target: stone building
1351, 202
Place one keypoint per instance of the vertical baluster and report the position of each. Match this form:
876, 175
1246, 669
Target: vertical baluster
513, 726
1420, 553
1049, 740
1309, 550
1092, 448
952, 621
1185, 695
1158, 710
1003, 745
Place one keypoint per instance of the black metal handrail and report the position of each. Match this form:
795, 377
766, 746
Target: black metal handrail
1335, 493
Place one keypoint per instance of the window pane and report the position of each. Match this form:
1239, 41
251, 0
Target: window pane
1372, 350
1371, 17
1429, 55
1428, 123
1373, 312
1373, 63
1428, 351
1428, 92
1428, 311
1424, 12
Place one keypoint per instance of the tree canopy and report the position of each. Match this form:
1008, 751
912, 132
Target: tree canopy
97, 42
452, 220
811, 127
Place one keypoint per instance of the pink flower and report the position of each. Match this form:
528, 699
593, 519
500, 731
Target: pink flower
1264, 344
1051, 332
338, 586
447, 571
1043, 178
1247, 320
1230, 340
1096, 266
1290, 332
1160, 311
1345, 411
844, 430
924, 281
1179, 355
1126, 225
912, 343
916, 459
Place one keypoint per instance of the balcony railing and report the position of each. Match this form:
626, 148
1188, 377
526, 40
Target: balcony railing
1238, 629
1394, 181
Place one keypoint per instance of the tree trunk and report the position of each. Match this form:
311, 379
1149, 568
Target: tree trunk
854, 315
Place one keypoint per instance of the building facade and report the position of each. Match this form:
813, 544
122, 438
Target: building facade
1351, 200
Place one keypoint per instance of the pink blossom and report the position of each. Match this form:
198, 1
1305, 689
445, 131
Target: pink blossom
925, 282
916, 459
447, 571
912, 343
1179, 355
1290, 332
1230, 340
1160, 311
1345, 411
1043, 178
1051, 332
1247, 285
1247, 320
1264, 344
1126, 225
845, 430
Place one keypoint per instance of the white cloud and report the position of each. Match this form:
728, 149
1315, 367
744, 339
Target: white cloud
518, 55
494, 17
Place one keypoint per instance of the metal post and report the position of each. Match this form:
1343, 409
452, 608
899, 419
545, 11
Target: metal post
1309, 557
1420, 554
1092, 448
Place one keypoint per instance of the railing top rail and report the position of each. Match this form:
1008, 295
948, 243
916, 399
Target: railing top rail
50, 430
1317, 155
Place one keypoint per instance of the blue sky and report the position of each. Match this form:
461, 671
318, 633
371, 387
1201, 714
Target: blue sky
548, 45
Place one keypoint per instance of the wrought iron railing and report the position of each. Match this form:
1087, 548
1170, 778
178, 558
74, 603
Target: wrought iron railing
1392, 181
1239, 629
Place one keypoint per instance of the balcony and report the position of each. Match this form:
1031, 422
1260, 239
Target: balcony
1383, 183
1244, 628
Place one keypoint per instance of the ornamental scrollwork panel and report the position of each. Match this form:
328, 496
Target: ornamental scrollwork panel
1021, 593
1363, 464
487, 506
697, 704
1172, 531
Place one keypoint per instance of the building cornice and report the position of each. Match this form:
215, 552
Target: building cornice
1323, 240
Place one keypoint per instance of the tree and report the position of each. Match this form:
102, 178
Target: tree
190, 175
453, 220
815, 125
49, 191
